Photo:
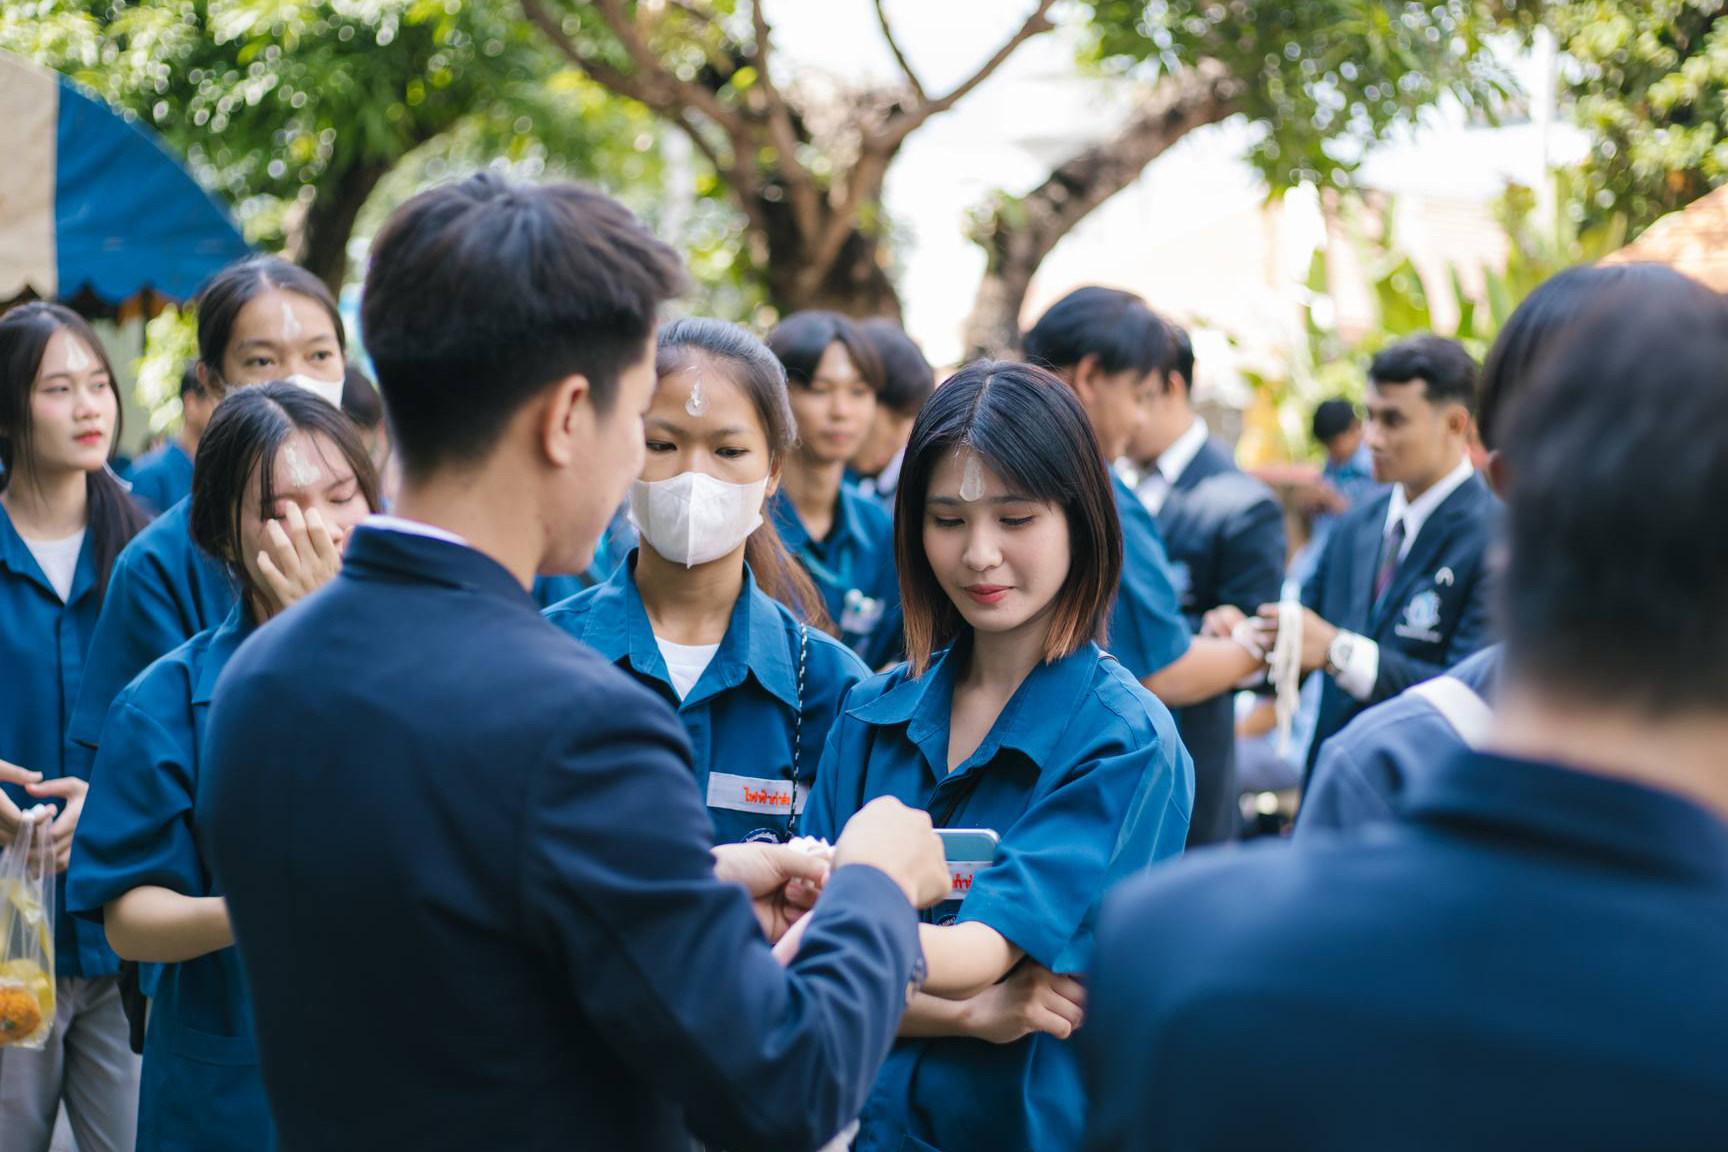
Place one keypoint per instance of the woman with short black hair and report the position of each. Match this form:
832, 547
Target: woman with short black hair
1007, 717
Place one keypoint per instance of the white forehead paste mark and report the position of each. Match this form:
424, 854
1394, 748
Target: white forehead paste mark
972, 479
698, 403
77, 359
302, 473
290, 322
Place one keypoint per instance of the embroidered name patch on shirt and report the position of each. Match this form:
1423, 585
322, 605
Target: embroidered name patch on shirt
960, 873
752, 794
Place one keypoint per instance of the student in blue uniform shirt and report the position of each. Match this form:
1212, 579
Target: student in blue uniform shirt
907, 381
1531, 957
63, 519
260, 319
1361, 772
1402, 590
1224, 532
475, 890
710, 612
273, 454
841, 536
163, 478
1009, 717
1111, 350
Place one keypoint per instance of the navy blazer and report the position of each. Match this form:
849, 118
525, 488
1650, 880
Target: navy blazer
1360, 774
1224, 533
469, 874
1437, 609
1532, 958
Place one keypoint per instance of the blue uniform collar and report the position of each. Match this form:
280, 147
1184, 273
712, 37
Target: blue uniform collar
16, 555
847, 530
1574, 811
618, 628
419, 559
1032, 722
227, 638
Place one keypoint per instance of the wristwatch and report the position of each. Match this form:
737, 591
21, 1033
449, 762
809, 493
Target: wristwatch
1338, 652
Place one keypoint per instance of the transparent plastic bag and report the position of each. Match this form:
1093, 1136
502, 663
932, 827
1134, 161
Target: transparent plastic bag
27, 933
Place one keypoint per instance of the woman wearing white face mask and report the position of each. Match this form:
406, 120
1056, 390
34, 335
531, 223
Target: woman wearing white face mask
711, 611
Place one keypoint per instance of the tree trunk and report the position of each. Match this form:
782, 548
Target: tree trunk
856, 283
1020, 233
321, 243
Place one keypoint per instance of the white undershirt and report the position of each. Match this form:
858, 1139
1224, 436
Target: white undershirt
58, 560
1362, 671
1160, 479
685, 663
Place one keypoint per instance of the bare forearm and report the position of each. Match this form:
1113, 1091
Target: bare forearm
930, 1016
1210, 666
964, 959
156, 925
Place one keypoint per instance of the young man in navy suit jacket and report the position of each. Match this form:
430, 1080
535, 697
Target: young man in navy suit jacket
1401, 592
1224, 532
471, 879
1531, 956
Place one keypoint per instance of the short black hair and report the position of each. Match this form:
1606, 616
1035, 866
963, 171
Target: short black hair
484, 292
1536, 325
360, 400
1617, 589
907, 378
190, 384
800, 340
1333, 418
1115, 326
245, 435
227, 292
1443, 365
1030, 429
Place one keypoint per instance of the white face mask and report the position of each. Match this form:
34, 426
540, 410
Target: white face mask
694, 518
330, 390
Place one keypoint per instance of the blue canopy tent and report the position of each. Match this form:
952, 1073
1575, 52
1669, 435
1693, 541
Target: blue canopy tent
91, 202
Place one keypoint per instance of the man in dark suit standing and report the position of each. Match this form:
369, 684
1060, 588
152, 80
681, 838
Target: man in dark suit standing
1224, 533
1531, 955
471, 879
1401, 592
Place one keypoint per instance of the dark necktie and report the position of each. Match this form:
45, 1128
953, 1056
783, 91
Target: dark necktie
1389, 559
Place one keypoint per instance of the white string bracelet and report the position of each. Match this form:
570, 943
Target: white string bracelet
1285, 671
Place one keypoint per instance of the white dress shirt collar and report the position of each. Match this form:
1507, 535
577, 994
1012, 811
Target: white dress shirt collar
1158, 481
1415, 512
411, 528
1174, 460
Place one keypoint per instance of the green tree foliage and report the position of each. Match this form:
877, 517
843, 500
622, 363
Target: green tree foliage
1323, 78
1320, 80
294, 110
1646, 78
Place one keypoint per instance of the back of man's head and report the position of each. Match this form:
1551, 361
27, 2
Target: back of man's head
907, 378
1333, 418
1617, 590
483, 293
1544, 319
1442, 365
1114, 326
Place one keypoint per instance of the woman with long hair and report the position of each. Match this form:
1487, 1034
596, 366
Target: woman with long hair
63, 519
